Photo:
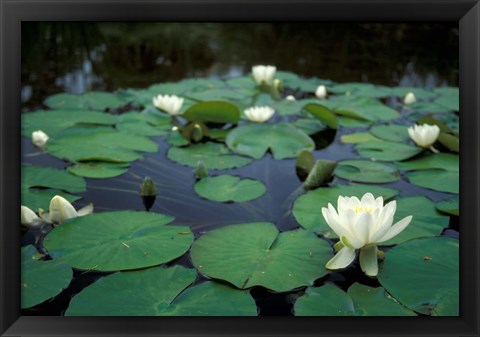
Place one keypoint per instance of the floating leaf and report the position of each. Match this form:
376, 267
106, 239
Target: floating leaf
443, 161
41, 280
392, 132
321, 172
364, 108
386, 151
252, 254
41, 184
450, 206
360, 300
98, 169
284, 140
450, 102
214, 156
307, 209
352, 122
118, 241
429, 107
143, 128
91, 100
159, 291
323, 114
177, 139
423, 275
426, 221
437, 180
213, 111
309, 125
226, 188
449, 141
359, 137
52, 122
365, 171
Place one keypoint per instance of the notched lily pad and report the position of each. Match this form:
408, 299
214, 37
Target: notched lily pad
226, 188
366, 171
386, 151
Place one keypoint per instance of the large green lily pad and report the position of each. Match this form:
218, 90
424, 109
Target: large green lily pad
98, 169
213, 111
118, 241
225, 188
252, 254
426, 221
386, 151
366, 171
52, 122
307, 209
160, 291
450, 206
423, 275
323, 114
101, 145
91, 100
364, 108
41, 280
254, 140
360, 300
441, 161
41, 184
214, 156
437, 180
358, 137
392, 132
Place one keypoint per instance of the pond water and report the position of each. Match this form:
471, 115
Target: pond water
77, 58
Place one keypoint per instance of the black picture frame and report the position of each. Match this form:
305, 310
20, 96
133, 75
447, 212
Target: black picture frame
13, 12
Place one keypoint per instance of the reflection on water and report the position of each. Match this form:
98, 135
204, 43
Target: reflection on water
76, 57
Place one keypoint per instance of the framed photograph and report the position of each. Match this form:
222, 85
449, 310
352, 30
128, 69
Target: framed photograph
207, 168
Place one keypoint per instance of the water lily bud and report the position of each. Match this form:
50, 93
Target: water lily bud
201, 170
61, 210
424, 135
39, 138
259, 113
321, 92
290, 98
277, 84
409, 98
361, 224
263, 74
148, 187
197, 133
170, 104
28, 217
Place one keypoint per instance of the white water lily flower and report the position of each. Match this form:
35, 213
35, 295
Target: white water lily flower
39, 138
424, 135
259, 113
61, 210
409, 98
321, 92
290, 98
263, 74
29, 218
361, 224
170, 104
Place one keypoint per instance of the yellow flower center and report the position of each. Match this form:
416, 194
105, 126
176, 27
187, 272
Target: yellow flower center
363, 209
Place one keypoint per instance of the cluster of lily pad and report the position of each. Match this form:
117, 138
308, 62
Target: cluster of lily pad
213, 125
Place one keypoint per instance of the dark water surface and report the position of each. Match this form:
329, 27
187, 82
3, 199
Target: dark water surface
77, 57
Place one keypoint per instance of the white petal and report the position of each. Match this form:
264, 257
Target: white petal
368, 260
342, 259
332, 219
362, 229
85, 210
368, 200
61, 210
396, 229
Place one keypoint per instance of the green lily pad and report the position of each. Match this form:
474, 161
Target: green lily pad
309, 125
52, 122
92, 100
225, 188
364, 108
41, 184
41, 280
423, 275
356, 138
450, 206
437, 180
98, 169
386, 151
159, 291
252, 254
214, 156
307, 209
118, 241
365, 171
426, 221
287, 108
143, 129
213, 111
451, 142
392, 132
323, 114
429, 107
254, 140
360, 300
349, 122
102, 145
450, 102
441, 161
